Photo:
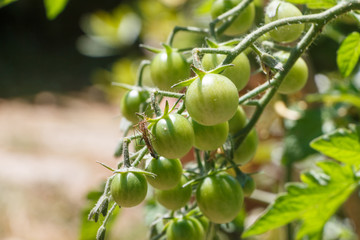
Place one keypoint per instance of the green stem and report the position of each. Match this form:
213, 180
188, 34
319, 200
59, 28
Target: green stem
185, 29
198, 160
141, 155
140, 71
155, 105
126, 153
109, 214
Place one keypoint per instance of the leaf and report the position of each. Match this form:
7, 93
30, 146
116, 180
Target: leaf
335, 98
315, 4
204, 8
348, 54
3, 3
310, 202
54, 7
341, 145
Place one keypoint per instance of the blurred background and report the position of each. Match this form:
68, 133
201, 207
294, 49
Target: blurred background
59, 113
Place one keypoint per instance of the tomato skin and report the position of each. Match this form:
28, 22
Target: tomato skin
238, 121
188, 228
168, 172
242, 23
296, 78
239, 74
169, 68
287, 33
128, 189
210, 137
130, 104
249, 186
212, 99
176, 197
246, 151
220, 197
172, 136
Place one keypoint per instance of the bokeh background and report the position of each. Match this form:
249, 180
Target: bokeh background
59, 113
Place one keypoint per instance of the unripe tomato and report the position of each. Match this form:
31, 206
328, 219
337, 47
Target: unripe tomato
176, 197
239, 74
172, 136
220, 197
188, 228
249, 186
130, 104
296, 78
238, 121
246, 151
210, 137
168, 68
242, 23
277, 10
128, 189
212, 99
168, 172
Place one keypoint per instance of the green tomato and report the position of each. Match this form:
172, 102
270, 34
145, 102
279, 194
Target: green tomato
176, 197
239, 74
278, 10
212, 99
246, 151
210, 137
238, 121
168, 68
128, 189
188, 228
131, 103
242, 23
249, 186
172, 136
168, 172
296, 78
220, 197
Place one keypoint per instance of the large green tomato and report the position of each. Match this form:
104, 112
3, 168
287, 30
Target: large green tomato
168, 172
242, 23
277, 10
210, 137
239, 74
188, 228
246, 151
172, 136
296, 78
220, 197
238, 121
212, 99
131, 103
128, 189
176, 197
168, 68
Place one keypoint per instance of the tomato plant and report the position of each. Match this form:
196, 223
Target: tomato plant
242, 23
131, 103
176, 197
246, 151
185, 228
239, 74
211, 99
278, 10
173, 136
209, 137
168, 172
128, 189
219, 197
168, 68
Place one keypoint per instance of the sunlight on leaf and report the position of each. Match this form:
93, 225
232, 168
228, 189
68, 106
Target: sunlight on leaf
3, 3
348, 54
315, 4
54, 8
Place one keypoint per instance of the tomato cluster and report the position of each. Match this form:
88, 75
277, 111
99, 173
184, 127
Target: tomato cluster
206, 117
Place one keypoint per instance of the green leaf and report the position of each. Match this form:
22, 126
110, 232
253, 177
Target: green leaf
342, 145
315, 4
348, 54
54, 7
335, 98
311, 202
205, 7
3, 3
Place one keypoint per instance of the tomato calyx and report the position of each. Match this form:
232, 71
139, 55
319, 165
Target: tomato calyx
165, 114
134, 170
